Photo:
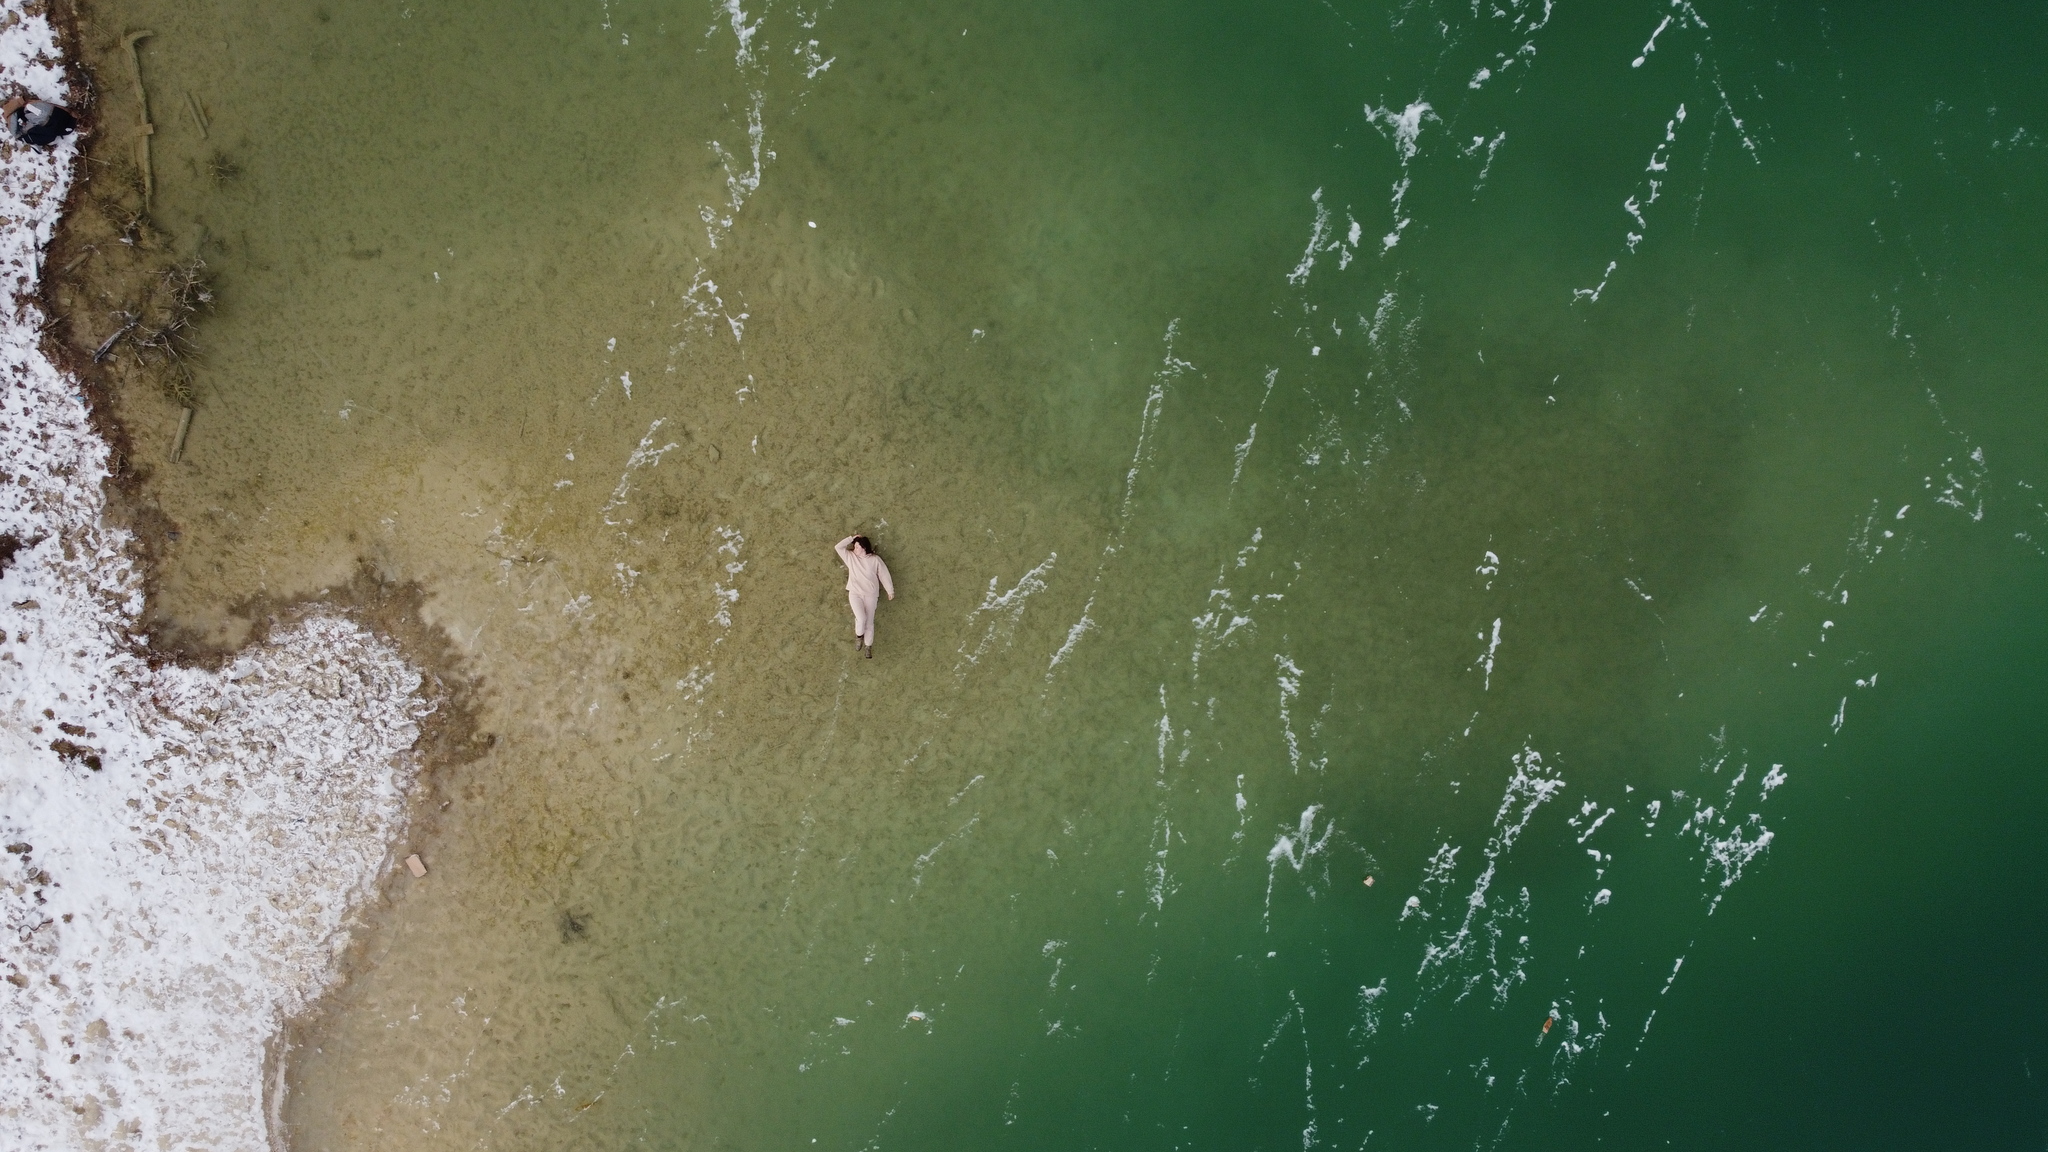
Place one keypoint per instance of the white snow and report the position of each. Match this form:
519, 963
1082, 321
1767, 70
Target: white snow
166, 912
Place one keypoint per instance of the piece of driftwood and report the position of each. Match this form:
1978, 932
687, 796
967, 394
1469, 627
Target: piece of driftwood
146, 129
184, 426
107, 346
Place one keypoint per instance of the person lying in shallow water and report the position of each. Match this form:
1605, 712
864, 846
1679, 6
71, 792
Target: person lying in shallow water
37, 123
866, 578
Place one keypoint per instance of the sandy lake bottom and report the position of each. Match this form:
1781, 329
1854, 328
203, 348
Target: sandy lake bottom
1588, 489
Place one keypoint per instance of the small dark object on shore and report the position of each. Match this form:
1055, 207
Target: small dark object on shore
574, 925
37, 123
67, 750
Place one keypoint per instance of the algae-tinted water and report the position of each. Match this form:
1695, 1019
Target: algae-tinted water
1576, 469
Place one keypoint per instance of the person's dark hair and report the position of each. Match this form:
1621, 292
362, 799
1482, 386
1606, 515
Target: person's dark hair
866, 545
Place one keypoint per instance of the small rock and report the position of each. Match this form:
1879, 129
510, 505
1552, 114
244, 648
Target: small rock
414, 865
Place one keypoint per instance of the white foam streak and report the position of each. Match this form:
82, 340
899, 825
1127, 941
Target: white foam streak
1525, 25
1404, 128
1728, 843
705, 305
1243, 453
725, 592
1295, 847
1171, 368
646, 455
998, 614
1320, 241
1224, 619
924, 860
1485, 660
1636, 203
1319, 234
1159, 882
1290, 690
1074, 634
1529, 788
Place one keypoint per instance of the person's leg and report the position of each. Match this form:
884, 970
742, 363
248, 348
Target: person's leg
863, 617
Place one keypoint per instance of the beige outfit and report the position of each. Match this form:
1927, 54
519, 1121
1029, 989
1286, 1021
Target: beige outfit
866, 579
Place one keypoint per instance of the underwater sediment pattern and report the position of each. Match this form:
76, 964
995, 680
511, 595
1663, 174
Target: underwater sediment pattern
1470, 575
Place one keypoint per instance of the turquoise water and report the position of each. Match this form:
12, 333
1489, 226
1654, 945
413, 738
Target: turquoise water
1579, 469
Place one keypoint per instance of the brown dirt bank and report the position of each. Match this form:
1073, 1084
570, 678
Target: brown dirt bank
111, 275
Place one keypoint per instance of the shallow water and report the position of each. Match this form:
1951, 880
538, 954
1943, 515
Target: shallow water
1598, 501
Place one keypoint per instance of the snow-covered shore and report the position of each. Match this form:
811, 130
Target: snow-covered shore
185, 850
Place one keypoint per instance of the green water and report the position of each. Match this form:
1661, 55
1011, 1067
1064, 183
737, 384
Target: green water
1635, 569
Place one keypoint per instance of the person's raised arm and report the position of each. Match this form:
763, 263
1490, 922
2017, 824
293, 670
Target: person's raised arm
844, 550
